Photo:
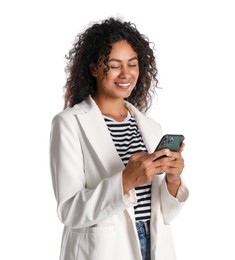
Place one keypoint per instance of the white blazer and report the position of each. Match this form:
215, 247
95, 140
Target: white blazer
86, 171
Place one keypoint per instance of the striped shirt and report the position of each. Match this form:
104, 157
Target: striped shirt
128, 141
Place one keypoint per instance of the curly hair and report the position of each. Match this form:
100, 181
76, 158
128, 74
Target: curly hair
95, 43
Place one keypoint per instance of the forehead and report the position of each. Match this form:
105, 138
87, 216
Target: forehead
122, 50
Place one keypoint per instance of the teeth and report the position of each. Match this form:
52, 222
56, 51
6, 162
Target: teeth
124, 84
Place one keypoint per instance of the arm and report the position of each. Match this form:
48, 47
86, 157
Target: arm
172, 205
78, 206
173, 192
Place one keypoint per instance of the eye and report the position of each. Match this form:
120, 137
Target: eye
132, 65
114, 66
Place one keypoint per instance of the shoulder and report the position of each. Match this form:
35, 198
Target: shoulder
70, 113
66, 114
65, 118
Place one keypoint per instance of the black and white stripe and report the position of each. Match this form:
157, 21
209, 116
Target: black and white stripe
128, 141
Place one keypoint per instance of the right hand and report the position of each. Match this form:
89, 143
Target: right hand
142, 167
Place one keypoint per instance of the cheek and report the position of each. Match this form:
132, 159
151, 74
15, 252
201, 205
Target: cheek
136, 72
136, 75
112, 74
101, 78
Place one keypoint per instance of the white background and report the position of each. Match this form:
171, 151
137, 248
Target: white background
195, 53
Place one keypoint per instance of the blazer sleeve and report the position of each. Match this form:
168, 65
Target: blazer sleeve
77, 206
171, 206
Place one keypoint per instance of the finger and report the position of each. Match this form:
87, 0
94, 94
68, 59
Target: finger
159, 154
176, 164
176, 155
173, 171
163, 161
181, 148
169, 162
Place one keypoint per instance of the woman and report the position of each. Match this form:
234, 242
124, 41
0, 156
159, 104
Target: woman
112, 198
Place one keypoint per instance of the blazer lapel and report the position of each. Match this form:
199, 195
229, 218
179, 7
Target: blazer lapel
97, 133
150, 130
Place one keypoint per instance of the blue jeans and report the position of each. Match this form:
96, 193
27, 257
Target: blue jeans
143, 230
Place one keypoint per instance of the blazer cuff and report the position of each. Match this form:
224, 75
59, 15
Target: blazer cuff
118, 199
182, 193
130, 199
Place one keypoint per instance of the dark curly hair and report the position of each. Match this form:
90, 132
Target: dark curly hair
95, 43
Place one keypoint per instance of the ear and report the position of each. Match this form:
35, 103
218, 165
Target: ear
93, 70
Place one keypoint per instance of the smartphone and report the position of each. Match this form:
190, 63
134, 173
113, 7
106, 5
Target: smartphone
171, 142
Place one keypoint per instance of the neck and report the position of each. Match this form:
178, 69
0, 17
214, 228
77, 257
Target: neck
113, 109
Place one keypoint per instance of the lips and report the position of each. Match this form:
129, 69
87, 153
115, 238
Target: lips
123, 85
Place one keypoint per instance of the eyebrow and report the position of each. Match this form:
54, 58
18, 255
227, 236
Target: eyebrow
117, 60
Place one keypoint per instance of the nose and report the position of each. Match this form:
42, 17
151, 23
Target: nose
124, 72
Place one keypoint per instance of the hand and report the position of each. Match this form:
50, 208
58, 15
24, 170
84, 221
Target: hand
142, 168
174, 170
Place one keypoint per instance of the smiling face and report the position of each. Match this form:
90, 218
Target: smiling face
122, 75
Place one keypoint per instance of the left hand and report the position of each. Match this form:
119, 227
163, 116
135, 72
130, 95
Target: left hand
175, 166
173, 169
